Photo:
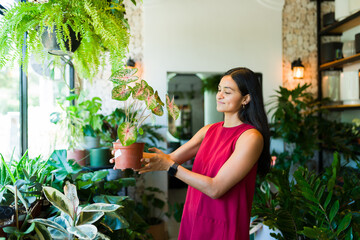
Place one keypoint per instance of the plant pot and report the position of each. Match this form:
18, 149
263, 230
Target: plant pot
91, 142
80, 156
99, 157
158, 231
128, 156
50, 43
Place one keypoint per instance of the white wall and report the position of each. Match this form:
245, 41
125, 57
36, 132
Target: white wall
211, 36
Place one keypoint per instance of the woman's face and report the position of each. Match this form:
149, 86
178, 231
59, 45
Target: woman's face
228, 97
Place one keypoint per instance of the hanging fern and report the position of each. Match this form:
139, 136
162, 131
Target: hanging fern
100, 24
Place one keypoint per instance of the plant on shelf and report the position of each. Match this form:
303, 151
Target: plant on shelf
140, 102
299, 120
95, 27
310, 205
75, 221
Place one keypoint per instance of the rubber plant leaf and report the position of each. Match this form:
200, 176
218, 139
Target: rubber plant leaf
124, 76
42, 232
71, 194
49, 223
89, 217
127, 133
141, 90
102, 207
60, 201
85, 232
121, 93
172, 109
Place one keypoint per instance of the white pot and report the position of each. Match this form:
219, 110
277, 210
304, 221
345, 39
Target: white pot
91, 142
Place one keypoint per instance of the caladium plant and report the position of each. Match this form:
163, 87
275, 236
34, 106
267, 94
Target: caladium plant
140, 102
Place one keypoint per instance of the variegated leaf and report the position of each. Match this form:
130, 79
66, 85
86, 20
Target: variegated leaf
103, 207
89, 217
101, 236
140, 91
172, 109
151, 102
42, 232
126, 75
158, 110
121, 92
49, 223
59, 200
86, 231
127, 133
71, 194
158, 99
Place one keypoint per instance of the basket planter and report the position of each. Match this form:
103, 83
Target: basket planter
128, 156
50, 43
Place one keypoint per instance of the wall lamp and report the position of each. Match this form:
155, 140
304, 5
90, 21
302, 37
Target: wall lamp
297, 69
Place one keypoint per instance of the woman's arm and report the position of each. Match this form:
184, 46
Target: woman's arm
188, 150
247, 151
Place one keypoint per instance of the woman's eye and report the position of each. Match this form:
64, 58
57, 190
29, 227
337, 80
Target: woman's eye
227, 93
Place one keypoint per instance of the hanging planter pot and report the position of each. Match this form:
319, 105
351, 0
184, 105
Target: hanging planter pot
51, 44
128, 156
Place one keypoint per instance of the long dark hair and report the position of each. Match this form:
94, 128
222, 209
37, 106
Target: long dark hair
253, 113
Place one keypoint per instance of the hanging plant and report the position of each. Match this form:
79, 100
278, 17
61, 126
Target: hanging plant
99, 24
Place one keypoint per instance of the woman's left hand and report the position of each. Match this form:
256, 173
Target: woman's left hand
157, 161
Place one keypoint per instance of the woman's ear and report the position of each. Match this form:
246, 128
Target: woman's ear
247, 99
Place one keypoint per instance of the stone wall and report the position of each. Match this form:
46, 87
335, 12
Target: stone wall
300, 40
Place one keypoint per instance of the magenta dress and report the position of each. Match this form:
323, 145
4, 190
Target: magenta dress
228, 217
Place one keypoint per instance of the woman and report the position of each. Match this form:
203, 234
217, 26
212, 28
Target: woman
228, 156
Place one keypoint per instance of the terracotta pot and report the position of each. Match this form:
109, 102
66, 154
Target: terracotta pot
158, 231
80, 156
128, 156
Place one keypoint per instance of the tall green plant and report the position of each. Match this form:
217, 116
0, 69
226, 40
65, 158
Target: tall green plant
316, 206
99, 24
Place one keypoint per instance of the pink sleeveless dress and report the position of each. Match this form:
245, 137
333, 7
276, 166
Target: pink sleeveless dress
228, 217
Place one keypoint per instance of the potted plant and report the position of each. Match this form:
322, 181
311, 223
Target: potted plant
140, 102
71, 123
99, 25
75, 221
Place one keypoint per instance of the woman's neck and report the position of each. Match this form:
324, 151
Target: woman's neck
231, 120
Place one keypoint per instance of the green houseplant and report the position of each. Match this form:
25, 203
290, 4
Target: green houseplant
99, 25
140, 102
75, 221
310, 205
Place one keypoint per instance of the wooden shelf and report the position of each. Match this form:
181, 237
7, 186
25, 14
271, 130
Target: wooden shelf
340, 63
341, 107
343, 25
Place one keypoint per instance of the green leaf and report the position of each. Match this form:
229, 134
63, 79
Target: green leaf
121, 93
328, 199
19, 195
86, 231
333, 211
99, 175
8, 169
89, 217
311, 233
344, 223
103, 207
42, 232
60, 201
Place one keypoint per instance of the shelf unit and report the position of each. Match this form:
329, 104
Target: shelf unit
336, 28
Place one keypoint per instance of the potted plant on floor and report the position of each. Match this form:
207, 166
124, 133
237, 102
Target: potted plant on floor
99, 25
140, 102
